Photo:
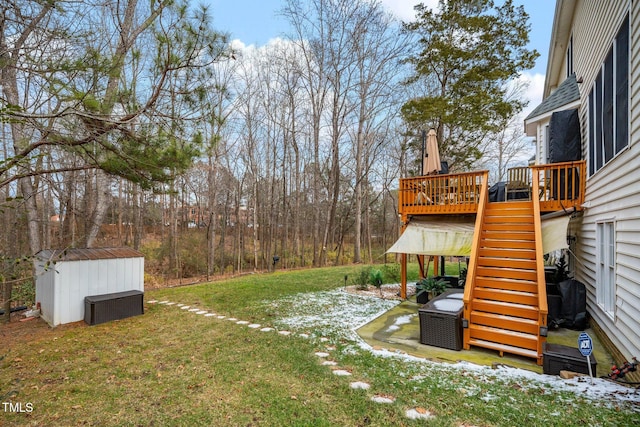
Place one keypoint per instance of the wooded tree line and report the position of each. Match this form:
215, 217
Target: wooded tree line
137, 123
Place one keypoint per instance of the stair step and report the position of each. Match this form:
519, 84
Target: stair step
503, 295
512, 204
500, 226
507, 219
527, 326
508, 235
497, 335
507, 284
484, 252
506, 272
503, 348
505, 308
528, 264
507, 244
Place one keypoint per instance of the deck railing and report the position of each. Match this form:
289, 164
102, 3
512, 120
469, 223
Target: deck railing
441, 194
560, 186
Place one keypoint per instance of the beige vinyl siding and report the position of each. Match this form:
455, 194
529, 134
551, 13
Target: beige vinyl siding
613, 192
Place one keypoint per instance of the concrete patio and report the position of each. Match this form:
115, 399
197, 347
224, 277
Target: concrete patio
399, 329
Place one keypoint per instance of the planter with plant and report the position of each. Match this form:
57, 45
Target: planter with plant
428, 288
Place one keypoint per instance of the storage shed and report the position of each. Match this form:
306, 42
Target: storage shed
65, 277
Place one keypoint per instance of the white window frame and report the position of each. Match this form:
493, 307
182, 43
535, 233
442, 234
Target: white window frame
606, 266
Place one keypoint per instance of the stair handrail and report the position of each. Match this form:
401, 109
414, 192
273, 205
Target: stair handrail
540, 279
473, 259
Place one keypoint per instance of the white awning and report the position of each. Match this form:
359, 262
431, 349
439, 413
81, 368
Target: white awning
554, 233
436, 237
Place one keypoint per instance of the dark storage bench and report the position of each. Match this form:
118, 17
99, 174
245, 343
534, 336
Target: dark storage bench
107, 307
441, 321
558, 358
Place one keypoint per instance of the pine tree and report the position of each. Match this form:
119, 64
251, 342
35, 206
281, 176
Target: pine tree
467, 52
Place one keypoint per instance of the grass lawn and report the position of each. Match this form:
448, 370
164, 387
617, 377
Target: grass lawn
175, 367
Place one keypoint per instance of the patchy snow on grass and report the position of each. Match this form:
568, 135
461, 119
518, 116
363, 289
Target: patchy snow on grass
339, 314
334, 313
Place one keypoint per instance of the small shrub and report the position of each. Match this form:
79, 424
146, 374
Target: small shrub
391, 273
375, 278
361, 281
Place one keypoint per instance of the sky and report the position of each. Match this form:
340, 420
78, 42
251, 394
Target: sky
255, 22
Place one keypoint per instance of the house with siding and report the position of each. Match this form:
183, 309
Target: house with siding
591, 98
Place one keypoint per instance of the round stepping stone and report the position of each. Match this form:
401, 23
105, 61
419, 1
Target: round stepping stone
201, 312
184, 307
304, 335
209, 314
382, 399
324, 339
193, 310
359, 385
179, 305
329, 363
163, 302
322, 354
331, 348
254, 326
242, 322
266, 329
220, 317
341, 373
284, 332
171, 303
231, 319
152, 301
418, 414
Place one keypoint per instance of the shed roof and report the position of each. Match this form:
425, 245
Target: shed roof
84, 254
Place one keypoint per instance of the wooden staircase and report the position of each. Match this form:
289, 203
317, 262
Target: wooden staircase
505, 301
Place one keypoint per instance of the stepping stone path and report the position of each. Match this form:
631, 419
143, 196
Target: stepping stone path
412, 413
360, 385
382, 399
418, 414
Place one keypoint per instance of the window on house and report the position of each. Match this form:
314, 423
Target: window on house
609, 104
570, 57
605, 267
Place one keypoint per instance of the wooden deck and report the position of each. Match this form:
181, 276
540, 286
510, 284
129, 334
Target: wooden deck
560, 186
